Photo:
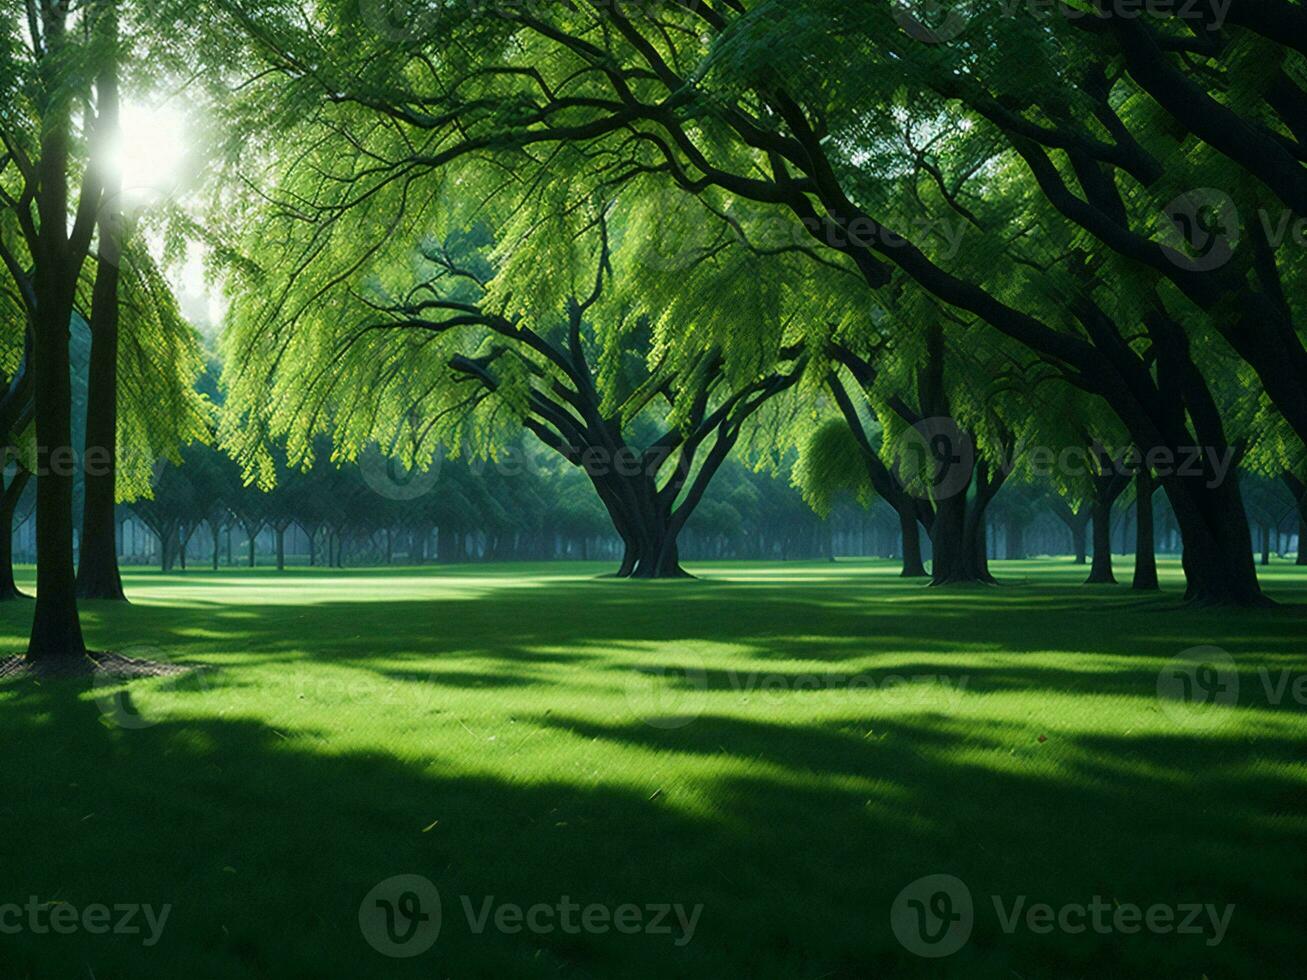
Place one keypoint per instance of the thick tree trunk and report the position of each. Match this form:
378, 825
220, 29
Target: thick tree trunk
251, 547
661, 559
217, 543
56, 626
1145, 579
656, 555
1208, 506
948, 542
651, 550
630, 556
958, 532
958, 541
280, 533
1302, 541
1217, 545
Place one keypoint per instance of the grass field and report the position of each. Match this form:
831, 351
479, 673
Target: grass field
775, 752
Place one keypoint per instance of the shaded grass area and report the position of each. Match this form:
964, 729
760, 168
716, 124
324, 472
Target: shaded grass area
786, 746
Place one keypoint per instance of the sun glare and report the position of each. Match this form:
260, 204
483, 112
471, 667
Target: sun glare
152, 150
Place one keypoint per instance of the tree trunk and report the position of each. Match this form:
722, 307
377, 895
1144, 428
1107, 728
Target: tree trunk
958, 542
1078, 541
630, 556
280, 533
251, 547
1209, 511
1217, 551
8, 505
1302, 540
660, 558
1100, 572
655, 555
167, 547
1015, 527
1145, 579
1107, 484
97, 572
56, 626
958, 531
651, 550
913, 566
217, 543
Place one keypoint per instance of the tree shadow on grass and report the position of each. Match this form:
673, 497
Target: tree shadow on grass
1264, 686
558, 621
794, 839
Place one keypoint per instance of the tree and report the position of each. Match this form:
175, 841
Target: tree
97, 572
249, 507
1145, 575
1076, 518
45, 73
1108, 478
66, 59
142, 397
170, 513
477, 337
723, 101
949, 434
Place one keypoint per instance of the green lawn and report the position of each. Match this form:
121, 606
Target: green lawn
737, 743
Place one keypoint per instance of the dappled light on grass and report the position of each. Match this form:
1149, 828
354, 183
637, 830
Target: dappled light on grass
788, 753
